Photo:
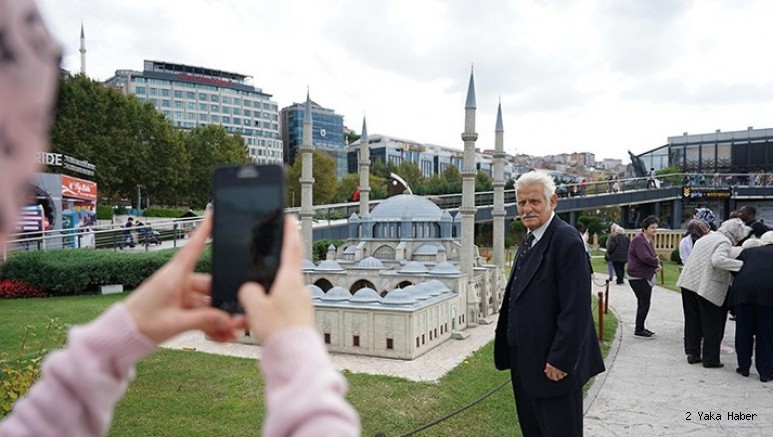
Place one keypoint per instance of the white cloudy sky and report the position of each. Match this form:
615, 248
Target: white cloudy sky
602, 76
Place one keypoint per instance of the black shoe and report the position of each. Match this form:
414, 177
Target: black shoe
650, 332
620, 282
713, 365
766, 378
742, 372
692, 359
647, 335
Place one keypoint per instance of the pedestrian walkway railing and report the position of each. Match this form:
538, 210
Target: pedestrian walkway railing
169, 233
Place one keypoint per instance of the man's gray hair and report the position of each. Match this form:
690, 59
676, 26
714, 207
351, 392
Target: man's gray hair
534, 178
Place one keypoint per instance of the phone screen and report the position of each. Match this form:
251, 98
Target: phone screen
247, 238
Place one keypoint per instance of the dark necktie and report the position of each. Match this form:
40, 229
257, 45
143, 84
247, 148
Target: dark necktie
524, 249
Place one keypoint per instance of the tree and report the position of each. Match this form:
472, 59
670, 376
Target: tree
324, 174
209, 147
346, 188
351, 136
411, 173
453, 179
483, 182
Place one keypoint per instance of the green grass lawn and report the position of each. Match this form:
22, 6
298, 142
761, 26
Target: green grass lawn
183, 393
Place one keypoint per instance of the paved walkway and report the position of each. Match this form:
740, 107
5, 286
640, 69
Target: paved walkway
650, 390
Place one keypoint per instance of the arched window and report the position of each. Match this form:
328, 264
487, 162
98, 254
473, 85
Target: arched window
362, 283
324, 284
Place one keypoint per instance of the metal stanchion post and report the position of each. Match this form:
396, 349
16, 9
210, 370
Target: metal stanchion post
174, 235
606, 299
601, 315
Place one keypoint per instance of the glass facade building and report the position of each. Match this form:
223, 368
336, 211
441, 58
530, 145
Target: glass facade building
327, 131
743, 151
192, 97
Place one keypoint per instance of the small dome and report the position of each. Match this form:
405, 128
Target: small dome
331, 247
365, 295
371, 263
353, 218
307, 265
458, 217
421, 291
351, 249
445, 268
446, 216
413, 267
399, 296
337, 294
406, 205
426, 249
329, 265
441, 249
315, 291
437, 288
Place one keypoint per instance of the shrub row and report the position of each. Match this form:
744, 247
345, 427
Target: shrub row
164, 212
70, 272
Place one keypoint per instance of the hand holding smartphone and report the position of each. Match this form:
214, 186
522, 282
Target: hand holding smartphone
249, 203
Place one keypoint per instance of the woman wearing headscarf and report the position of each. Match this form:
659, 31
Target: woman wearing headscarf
695, 229
704, 281
617, 251
753, 300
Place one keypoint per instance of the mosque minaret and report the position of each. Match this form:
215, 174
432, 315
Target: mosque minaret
364, 170
499, 192
307, 180
467, 210
83, 51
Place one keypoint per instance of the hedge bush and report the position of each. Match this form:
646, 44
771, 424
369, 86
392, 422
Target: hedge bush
320, 248
164, 212
69, 272
104, 212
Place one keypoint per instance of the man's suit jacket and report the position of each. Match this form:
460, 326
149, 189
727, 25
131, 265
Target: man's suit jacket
551, 315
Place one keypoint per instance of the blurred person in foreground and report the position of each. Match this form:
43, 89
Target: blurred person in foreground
752, 292
705, 280
545, 332
80, 384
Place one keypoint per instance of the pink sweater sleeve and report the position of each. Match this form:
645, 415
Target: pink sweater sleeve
304, 393
81, 384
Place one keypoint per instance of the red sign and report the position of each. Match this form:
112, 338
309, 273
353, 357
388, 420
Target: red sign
78, 188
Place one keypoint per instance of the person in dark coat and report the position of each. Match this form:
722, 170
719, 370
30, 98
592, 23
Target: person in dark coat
643, 263
752, 292
749, 216
545, 332
617, 251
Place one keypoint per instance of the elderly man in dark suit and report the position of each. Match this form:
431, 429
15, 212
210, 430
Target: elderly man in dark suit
545, 333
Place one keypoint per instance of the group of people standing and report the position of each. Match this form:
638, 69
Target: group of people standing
727, 269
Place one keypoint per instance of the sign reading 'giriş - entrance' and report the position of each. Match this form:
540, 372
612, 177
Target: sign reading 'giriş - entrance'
68, 162
692, 193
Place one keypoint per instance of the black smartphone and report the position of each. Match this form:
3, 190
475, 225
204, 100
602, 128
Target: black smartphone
248, 208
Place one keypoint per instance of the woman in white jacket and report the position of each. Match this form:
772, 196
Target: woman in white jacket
704, 281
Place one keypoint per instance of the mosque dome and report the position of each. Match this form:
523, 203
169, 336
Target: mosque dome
329, 265
315, 291
445, 268
426, 249
437, 287
371, 263
337, 294
414, 267
365, 295
406, 205
421, 291
399, 296
307, 265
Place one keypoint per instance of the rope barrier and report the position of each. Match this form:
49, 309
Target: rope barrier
454, 413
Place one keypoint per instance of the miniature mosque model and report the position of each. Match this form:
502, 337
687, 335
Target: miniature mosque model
404, 281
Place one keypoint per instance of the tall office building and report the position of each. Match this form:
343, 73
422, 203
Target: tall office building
193, 96
327, 133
